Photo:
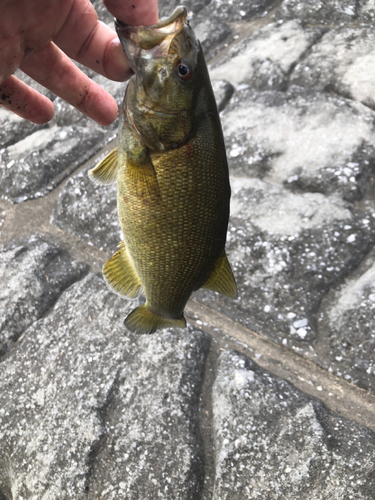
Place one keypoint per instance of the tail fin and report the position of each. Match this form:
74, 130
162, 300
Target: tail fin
142, 320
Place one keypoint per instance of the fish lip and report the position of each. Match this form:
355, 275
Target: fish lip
148, 37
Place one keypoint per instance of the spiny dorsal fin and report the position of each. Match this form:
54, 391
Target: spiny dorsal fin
142, 320
221, 279
120, 274
105, 171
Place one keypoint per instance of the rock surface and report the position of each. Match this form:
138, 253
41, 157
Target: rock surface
89, 211
33, 274
71, 394
88, 410
274, 442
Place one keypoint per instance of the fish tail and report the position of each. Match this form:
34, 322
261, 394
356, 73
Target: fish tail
142, 320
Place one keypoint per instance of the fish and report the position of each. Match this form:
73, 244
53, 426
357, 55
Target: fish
170, 164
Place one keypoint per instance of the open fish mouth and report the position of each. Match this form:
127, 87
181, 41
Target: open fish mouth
156, 38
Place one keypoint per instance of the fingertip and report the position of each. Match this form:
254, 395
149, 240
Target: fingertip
115, 63
26, 102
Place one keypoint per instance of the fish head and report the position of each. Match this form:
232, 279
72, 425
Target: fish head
160, 96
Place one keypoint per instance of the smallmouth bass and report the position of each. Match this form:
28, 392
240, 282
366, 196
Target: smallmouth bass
172, 176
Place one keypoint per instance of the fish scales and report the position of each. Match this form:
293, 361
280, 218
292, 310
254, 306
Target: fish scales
172, 176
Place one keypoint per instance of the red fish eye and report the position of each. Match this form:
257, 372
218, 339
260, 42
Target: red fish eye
184, 71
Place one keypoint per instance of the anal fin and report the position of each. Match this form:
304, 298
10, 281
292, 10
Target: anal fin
105, 172
221, 279
120, 274
142, 320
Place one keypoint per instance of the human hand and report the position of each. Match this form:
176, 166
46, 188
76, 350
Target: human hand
40, 37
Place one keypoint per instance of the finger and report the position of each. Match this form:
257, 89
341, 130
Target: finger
54, 70
134, 12
98, 49
24, 101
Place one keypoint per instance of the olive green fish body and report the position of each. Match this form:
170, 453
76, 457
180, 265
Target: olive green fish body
172, 176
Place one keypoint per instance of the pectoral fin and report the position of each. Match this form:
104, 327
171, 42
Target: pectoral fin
221, 279
142, 320
120, 274
105, 171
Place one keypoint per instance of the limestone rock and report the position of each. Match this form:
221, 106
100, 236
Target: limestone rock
273, 441
237, 10
342, 62
318, 11
33, 273
264, 59
35, 165
88, 410
301, 138
223, 91
287, 251
211, 32
348, 327
89, 211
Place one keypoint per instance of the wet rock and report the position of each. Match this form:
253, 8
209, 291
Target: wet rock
318, 11
273, 441
89, 211
301, 138
264, 59
87, 410
287, 250
348, 327
35, 165
342, 62
223, 91
33, 274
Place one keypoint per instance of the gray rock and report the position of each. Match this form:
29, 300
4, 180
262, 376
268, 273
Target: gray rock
14, 128
237, 10
318, 11
2, 219
287, 251
35, 165
366, 10
33, 274
89, 211
223, 91
301, 138
166, 7
211, 33
264, 59
347, 325
88, 410
273, 441
343, 62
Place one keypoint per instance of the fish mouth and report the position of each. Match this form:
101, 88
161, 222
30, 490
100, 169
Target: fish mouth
156, 38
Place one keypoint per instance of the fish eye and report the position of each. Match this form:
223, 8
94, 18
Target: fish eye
184, 70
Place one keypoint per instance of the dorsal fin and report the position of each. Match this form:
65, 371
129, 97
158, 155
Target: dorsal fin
221, 279
105, 171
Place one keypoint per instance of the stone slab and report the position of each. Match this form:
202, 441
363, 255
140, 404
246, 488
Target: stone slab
342, 62
264, 59
88, 410
273, 441
33, 273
